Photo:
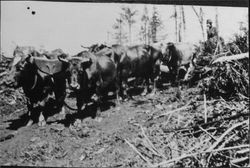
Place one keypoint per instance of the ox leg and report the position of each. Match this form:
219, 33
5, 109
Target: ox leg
79, 103
30, 109
60, 102
117, 91
155, 80
125, 90
156, 77
41, 121
175, 74
146, 87
98, 104
62, 112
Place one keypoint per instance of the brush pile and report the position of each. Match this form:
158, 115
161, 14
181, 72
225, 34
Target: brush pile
227, 80
225, 74
4, 65
194, 132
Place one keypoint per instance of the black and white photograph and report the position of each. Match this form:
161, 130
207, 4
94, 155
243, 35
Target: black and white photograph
124, 83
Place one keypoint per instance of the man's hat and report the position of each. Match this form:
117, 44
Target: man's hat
209, 21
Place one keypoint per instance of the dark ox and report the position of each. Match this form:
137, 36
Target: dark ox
42, 81
91, 74
179, 56
140, 61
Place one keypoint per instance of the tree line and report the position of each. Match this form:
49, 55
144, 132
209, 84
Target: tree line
151, 25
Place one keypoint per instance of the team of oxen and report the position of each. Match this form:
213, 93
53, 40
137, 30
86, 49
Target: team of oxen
93, 73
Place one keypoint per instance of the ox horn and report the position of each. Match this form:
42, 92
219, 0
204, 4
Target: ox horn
16, 60
62, 59
86, 59
85, 47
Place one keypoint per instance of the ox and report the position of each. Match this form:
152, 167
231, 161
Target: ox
91, 74
42, 80
179, 56
140, 61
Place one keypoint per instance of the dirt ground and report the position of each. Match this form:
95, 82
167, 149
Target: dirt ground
125, 137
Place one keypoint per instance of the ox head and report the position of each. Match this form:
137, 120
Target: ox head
22, 57
77, 73
19, 66
167, 52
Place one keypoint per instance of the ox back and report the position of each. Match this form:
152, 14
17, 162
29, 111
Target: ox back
178, 56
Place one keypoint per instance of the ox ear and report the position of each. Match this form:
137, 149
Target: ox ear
62, 58
44, 55
86, 62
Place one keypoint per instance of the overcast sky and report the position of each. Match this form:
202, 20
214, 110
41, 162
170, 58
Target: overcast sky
68, 25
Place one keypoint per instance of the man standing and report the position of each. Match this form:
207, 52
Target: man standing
213, 43
211, 31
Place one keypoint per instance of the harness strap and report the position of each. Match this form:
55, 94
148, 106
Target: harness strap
43, 71
35, 82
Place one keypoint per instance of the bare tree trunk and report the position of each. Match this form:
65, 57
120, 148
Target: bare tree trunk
145, 35
216, 19
184, 23
175, 17
120, 31
248, 30
108, 33
180, 28
201, 19
130, 34
149, 35
201, 23
219, 43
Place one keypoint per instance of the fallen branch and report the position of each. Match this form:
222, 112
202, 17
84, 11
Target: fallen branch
231, 58
194, 154
155, 151
207, 132
134, 148
206, 124
238, 160
225, 133
173, 111
205, 108
18, 110
226, 141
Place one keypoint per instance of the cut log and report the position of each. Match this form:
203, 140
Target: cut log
231, 58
